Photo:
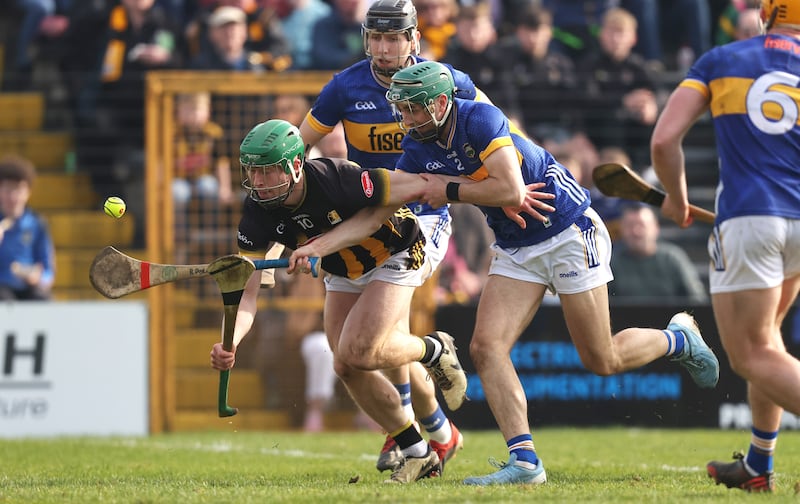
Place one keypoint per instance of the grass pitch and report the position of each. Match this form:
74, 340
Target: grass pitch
583, 465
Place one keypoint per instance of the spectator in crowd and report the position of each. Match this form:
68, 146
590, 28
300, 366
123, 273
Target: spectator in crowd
728, 23
202, 174
544, 81
227, 50
227, 36
265, 47
609, 207
575, 25
87, 21
620, 107
38, 19
748, 24
437, 25
27, 263
140, 38
649, 270
291, 107
298, 18
199, 171
475, 51
336, 41
674, 25
677, 31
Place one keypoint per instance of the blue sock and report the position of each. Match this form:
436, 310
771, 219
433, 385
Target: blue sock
762, 447
404, 389
435, 421
676, 341
522, 447
437, 426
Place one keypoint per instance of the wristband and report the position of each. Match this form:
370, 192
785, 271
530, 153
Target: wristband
452, 191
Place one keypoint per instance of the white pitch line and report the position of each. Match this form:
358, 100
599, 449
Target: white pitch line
226, 447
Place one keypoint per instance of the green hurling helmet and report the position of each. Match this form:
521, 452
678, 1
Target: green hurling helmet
421, 84
274, 143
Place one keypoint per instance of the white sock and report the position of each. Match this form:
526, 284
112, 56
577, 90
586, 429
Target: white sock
417, 450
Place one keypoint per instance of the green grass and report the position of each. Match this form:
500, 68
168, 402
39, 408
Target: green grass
583, 465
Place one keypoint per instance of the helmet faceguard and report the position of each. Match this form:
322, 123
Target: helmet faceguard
421, 84
391, 17
780, 12
271, 160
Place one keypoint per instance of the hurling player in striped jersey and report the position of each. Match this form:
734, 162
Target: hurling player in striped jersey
355, 97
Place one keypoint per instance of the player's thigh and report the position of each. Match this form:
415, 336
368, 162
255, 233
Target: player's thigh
505, 309
380, 312
589, 322
337, 306
747, 320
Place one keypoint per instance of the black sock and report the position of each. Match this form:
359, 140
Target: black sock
408, 437
433, 349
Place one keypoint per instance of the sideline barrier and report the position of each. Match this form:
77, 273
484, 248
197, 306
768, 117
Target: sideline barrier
561, 391
73, 368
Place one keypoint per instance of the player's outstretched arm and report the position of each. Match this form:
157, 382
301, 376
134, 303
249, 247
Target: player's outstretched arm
351, 232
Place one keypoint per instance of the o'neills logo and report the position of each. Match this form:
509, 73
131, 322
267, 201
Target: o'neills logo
366, 184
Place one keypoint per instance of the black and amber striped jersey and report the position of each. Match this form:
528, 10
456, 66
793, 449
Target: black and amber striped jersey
335, 189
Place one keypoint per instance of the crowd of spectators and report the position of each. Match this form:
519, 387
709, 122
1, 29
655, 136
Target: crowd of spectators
578, 76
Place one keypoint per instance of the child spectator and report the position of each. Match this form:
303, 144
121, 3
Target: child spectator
200, 170
26, 250
437, 25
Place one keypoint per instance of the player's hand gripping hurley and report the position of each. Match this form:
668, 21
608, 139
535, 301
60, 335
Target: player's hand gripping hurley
619, 181
114, 274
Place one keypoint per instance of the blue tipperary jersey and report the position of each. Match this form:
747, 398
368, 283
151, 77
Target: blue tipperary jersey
27, 242
354, 97
754, 98
477, 130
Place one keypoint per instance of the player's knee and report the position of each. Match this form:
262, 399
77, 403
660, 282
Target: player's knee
599, 365
344, 371
480, 352
359, 357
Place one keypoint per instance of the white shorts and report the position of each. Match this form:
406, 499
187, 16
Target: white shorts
394, 271
577, 259
437, 230
753, 252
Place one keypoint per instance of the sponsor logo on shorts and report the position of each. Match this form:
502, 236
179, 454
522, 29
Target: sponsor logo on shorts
391, 266
367, 185
569, 274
